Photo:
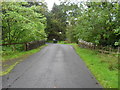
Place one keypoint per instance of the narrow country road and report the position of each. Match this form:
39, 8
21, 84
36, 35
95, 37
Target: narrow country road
55, 66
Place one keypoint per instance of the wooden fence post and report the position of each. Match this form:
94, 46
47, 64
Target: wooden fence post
118, 52
25, 46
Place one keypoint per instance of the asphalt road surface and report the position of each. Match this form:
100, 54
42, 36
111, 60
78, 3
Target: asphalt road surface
55, 66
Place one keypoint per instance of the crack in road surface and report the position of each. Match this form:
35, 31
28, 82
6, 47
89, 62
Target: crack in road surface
55, 66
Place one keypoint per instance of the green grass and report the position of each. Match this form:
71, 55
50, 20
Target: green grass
8, 56
17, 54
99, 64
2, 73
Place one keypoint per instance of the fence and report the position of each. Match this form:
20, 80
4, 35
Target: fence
34, 44
85, 44
28, 45
102, 49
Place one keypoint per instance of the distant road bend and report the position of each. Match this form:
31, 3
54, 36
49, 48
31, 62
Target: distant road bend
55, 66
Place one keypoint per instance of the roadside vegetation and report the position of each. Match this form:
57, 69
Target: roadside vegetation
103, 66
17, 54
22, 23
11, 59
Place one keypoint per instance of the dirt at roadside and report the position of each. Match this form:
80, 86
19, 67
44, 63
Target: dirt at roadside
6, 64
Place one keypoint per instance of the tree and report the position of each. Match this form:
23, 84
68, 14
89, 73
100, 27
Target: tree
56, 23
21, 23
96, 22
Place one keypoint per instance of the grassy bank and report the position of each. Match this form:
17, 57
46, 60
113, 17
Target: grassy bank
8, 55
11, 59
103, 66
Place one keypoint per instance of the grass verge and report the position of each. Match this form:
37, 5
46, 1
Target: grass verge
12, 56
17, 54
103, 66
2, 73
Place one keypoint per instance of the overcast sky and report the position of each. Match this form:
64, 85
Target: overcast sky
51, 2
